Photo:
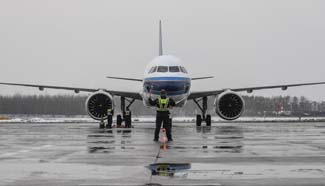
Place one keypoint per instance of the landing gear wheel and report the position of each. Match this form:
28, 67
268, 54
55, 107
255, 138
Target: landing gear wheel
101, 125
203, 108
118, 120
198, 120
128, 120
208, 120
125, 109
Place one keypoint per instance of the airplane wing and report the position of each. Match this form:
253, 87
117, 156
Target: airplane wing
199, 94
133, 95
123, 78
198, 78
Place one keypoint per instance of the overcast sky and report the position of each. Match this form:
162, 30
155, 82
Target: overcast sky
241, 43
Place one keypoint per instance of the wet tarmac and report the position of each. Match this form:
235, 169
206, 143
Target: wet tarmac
224, 154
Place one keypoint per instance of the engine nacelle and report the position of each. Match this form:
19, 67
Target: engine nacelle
98, 103
229, 105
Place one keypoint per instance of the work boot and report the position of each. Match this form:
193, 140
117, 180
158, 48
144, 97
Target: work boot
170, 139
155, 139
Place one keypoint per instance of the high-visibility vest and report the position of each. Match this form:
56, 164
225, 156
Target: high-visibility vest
163, 104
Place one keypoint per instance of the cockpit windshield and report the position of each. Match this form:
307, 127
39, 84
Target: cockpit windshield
173, 69
183, 70
153, 69
162, 69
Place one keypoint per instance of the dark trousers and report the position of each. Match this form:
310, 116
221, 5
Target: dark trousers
109, 120
163, 118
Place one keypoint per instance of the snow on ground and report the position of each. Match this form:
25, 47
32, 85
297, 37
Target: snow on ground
87, 119
46, 119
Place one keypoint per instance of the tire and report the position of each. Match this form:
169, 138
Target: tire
208, 120
128, 120
119, 120
198, 120
101, 125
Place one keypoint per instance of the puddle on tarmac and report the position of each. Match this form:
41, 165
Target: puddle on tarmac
106, 141
235, 148
191, 170
100, 149
168, 169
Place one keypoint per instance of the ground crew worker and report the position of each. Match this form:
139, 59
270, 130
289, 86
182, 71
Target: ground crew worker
163, 104
109, 118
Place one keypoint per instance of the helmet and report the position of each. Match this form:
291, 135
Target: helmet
163, 92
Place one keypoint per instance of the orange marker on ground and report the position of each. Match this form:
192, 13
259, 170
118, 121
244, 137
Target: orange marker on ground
164, 140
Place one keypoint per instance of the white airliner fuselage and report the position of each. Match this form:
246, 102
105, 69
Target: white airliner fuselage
166, 72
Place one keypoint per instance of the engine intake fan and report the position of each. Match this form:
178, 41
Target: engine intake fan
229, 105
98, 103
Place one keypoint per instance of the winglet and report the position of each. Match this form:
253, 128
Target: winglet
160, 39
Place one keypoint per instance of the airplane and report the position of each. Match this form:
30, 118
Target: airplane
169, 73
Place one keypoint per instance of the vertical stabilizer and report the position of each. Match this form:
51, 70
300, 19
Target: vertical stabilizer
160, 40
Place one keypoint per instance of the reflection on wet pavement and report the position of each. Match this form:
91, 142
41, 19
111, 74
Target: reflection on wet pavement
168, 169
225, 139
119, 137
224, 154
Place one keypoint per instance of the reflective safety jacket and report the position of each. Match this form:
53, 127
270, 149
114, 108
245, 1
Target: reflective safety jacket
163, 104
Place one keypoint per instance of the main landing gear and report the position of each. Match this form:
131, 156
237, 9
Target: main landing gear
204, 117
126, 113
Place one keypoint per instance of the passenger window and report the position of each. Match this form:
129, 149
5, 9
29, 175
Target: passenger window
173, 69
162, 69
183, 70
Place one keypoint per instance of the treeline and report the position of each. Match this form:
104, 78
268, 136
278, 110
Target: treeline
75, 105
285, 106
43, 104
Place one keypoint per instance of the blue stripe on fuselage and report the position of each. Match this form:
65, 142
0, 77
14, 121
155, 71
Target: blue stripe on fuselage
167, 79
173, 85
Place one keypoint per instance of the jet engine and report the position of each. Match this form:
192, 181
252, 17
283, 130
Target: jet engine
229, 105
98, 103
